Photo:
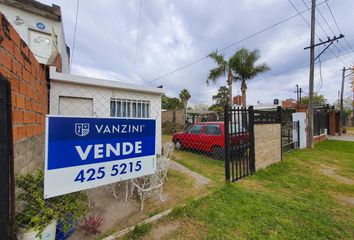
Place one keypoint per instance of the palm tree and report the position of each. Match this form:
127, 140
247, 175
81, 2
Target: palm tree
243, 62
223, 67
184, 95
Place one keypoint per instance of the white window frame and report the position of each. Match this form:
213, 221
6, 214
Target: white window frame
129, 108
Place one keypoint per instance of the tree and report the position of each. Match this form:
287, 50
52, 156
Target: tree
223, 67
317, 100
245, 69
240, 66
184, 96
222, 97
169, 103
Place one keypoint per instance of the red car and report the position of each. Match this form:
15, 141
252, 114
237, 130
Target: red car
208, 137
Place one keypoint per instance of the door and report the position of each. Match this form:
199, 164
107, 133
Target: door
193, 137
212, 137
41, 45
75, 106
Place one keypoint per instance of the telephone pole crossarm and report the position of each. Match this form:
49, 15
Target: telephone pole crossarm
329, 40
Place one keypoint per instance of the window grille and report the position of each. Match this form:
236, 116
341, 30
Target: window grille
130, 108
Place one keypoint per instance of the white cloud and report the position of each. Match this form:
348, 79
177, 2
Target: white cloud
175, 33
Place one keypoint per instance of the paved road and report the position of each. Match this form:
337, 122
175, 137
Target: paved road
347, 138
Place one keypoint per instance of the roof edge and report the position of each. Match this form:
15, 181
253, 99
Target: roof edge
103, 83
52, 12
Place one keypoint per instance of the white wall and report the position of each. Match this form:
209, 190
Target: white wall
29, 22
101, 100
301, 117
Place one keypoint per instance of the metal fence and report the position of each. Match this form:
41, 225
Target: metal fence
267, 116
89, 213
289, 136
6, 162
320, 121
239, 143
101, 210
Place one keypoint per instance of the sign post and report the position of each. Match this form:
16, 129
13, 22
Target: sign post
83, 153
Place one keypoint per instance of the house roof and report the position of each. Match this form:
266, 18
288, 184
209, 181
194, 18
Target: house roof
103, 83
52, 12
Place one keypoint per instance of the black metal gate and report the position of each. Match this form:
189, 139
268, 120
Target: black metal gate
6, 162
289, 136
239, 143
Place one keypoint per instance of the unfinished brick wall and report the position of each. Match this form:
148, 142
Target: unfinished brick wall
29, 90
267, 144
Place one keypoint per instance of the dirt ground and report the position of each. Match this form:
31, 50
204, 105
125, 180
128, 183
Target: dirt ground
118, 214
331, 172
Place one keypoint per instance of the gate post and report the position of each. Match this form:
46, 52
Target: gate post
251, 139
6, 162
227, 142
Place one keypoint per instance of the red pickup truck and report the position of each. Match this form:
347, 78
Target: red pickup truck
208, 137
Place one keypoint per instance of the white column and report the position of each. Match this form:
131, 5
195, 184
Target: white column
301, 117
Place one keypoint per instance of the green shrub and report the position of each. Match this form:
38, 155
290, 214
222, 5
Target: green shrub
36, 212
138, 232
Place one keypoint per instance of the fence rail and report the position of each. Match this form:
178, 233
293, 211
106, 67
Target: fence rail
289, 136
267, 117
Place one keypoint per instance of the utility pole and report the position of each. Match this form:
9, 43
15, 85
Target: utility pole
341, 103
310, 143
300, 91
353, 101
297, 96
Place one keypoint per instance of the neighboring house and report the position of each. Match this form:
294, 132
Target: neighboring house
40, 27
73, 95
35, 93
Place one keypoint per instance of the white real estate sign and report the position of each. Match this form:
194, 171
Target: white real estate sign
83, 153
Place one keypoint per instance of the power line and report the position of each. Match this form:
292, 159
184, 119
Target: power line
335, 21
325, 32
308, 24
331, 29
233, 44
74, 38
321, 79
137, 34
300, 67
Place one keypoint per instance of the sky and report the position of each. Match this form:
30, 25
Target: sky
174, 35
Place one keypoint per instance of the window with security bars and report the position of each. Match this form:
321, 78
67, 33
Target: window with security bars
130, 108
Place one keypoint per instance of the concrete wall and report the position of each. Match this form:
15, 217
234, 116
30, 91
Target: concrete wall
167, 116
267, 144
302, 118
29, 98
101, 97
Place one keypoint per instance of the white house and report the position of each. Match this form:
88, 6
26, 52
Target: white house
40, 27
83, 96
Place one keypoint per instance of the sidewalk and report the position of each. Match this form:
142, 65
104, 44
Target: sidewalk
348, 138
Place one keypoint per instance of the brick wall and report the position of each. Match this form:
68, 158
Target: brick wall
320, 138
267, 144
29, 90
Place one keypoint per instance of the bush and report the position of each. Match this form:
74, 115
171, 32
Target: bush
36, 212
170, 127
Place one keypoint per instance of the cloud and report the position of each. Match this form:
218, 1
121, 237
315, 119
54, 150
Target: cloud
176, 33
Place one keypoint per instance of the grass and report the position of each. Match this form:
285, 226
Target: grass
200, 163
138, 232
290, 200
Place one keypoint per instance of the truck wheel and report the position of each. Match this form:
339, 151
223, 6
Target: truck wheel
178, 145
218, 153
